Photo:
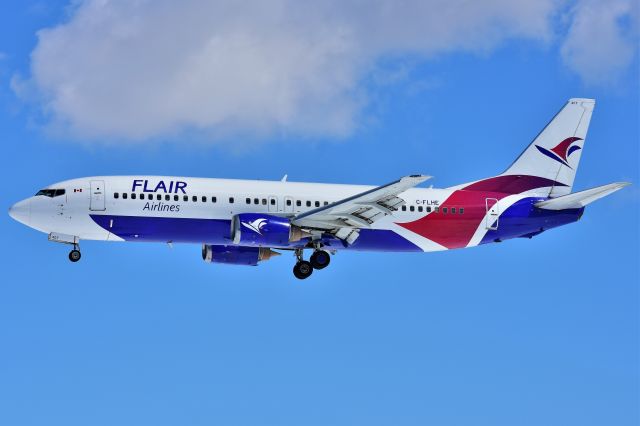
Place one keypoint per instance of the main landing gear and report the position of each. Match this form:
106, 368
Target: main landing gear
320, 259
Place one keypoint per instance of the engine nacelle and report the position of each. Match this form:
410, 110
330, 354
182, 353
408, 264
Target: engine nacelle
233, 255
262, 230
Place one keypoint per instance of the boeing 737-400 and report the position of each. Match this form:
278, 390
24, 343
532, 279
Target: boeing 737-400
244, 222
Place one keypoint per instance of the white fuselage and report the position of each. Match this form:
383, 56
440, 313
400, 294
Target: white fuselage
201, 210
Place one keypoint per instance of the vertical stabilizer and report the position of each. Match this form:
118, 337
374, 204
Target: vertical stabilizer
555, 153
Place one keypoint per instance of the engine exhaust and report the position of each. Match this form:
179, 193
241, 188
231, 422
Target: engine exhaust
266, 254
296, 234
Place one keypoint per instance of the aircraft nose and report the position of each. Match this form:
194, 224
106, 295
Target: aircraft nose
21, 211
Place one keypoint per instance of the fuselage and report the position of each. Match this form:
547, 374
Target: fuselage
200, 210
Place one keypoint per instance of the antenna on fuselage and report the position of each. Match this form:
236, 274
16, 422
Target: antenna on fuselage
284, 178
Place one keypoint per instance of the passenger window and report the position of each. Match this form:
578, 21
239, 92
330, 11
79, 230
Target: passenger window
231, 200
124, 195
461, 210
412, 208
204, 199
185, 198
419, 208
288, 202
167, 197
453, 210
116, 195
264, 201
326, 203
158, 197
404, 208
256, 201
248, 200
428, 209
176, 198
214, 199
308, 203
317, 203
133, 196
437, 209
194, 199
444, 210
272, 201
298, 203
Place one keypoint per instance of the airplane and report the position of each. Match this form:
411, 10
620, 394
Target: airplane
245, 222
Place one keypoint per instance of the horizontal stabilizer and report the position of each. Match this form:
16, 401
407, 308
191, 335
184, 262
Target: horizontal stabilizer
580, 199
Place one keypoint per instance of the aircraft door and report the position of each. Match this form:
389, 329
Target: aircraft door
273, 203
97, 202
493, 214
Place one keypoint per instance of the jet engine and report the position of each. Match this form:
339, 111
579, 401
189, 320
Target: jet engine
234, 255
261, 230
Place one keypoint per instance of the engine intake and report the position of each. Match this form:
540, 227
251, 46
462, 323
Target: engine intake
233, 255
261, 230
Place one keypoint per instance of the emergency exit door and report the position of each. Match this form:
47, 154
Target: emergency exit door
493, 214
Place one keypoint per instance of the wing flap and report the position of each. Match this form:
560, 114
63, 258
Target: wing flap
360, 210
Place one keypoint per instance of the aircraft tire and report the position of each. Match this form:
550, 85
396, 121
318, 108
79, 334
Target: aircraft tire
302, 270
320, 259
74, 255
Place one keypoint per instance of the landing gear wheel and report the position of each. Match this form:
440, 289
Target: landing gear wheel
302, 270
74, 255
320, 259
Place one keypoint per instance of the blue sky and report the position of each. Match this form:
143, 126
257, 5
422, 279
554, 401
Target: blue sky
541, 331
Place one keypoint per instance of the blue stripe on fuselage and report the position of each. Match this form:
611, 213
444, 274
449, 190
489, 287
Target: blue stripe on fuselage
217, 232
523, 219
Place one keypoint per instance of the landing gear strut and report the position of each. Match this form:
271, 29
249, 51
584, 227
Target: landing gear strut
74, 255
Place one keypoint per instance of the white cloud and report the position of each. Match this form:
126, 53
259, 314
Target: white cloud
136, 70
602, 39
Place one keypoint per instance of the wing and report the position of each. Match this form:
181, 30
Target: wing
345, 217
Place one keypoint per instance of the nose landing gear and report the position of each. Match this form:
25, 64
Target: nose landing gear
74, 254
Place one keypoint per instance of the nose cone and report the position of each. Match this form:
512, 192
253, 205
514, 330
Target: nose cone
21, 211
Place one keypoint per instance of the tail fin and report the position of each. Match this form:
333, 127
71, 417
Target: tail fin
554, 154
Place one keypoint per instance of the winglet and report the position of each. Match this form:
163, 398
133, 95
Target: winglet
418, 179
580, 199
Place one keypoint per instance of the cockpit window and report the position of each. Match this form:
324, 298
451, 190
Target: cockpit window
51, 192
